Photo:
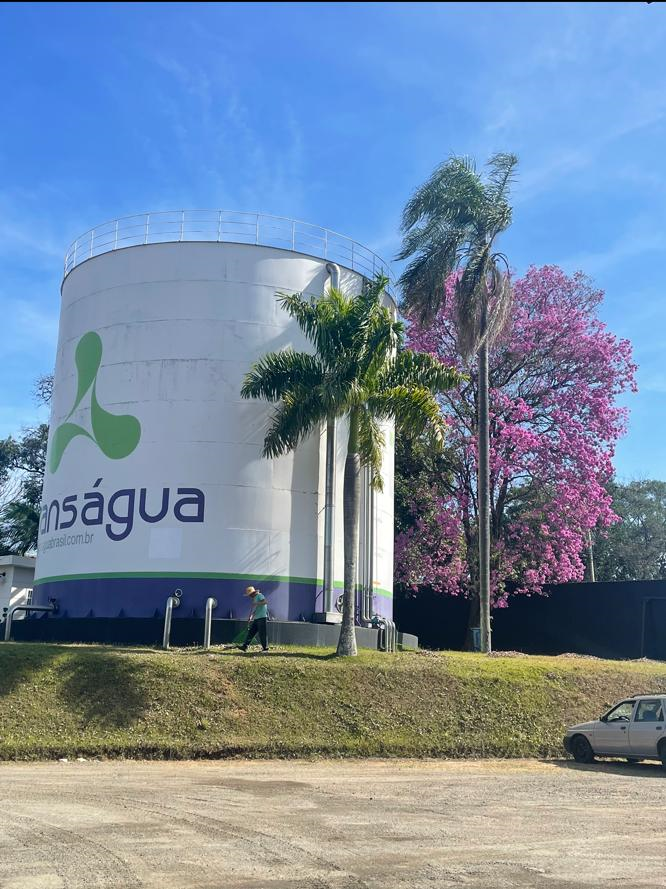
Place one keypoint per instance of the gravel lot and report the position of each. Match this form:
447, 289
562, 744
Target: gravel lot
332, 825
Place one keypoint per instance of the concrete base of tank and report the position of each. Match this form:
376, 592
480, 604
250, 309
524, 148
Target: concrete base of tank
186, 631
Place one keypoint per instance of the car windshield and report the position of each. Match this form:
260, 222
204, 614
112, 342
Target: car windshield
621, 713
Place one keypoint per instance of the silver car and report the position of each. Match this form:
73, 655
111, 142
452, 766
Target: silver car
634, 729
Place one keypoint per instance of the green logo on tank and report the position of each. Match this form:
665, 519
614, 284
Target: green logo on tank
115, 435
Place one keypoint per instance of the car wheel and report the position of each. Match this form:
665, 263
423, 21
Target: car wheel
662, 754
581, 749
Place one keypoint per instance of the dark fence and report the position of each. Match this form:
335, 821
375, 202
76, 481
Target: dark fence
611, 620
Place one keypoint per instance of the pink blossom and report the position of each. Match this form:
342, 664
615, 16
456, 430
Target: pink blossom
555, 375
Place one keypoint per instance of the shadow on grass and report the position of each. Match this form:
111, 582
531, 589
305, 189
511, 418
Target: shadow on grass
20, 663
105, 689
619, 768
102, 687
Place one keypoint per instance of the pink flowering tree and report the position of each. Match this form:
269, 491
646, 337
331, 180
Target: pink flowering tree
555, 375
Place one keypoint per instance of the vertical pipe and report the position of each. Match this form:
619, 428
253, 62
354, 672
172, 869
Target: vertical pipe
208, 623
363, 549
367, 545
364, 544
171, 603
329, 515
371, 554
329, 491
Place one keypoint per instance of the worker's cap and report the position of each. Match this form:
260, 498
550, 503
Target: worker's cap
250, 591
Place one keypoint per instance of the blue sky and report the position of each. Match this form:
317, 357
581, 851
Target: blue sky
333, 114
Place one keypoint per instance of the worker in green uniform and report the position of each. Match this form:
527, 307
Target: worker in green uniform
257, 619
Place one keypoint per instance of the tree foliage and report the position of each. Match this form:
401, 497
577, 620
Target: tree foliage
450, 226
634, 548
25, 458
22, 465
555, 375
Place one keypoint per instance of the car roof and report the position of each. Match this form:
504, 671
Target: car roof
657, 694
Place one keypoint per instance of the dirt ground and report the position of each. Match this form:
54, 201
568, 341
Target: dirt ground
332, 825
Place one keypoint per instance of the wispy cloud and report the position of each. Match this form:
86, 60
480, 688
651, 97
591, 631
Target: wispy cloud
221, 140
639, 238
25, 236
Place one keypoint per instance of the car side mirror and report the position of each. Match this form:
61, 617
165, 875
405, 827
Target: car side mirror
603, 718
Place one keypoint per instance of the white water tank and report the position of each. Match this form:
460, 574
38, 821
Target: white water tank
155, 477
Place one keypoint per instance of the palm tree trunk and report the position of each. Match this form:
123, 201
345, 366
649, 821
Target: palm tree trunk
590, 550
351, 507
483, 487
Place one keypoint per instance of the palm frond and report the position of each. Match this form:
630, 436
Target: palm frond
449, 222
423, 281
418, 369
414, 408
502, 167
292, 421
302, 310
382, 342
501, 300
453, 192
371, 441
327, 322
277, 372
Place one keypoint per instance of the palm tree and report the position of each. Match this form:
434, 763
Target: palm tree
450, 226
358, 371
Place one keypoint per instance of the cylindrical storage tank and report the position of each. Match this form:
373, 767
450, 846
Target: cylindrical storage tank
155, 478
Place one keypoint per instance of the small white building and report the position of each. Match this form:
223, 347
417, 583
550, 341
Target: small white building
17, 574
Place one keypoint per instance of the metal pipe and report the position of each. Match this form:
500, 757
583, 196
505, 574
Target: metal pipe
365, 617
171, 603
329, 491
367, 583
388, 640
391, 635
208, 623
329, 516
12, 611
334, 271
371, 552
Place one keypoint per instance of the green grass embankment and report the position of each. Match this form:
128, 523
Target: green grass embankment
71, 700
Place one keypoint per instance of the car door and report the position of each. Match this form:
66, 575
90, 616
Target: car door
611, 734
647, 727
